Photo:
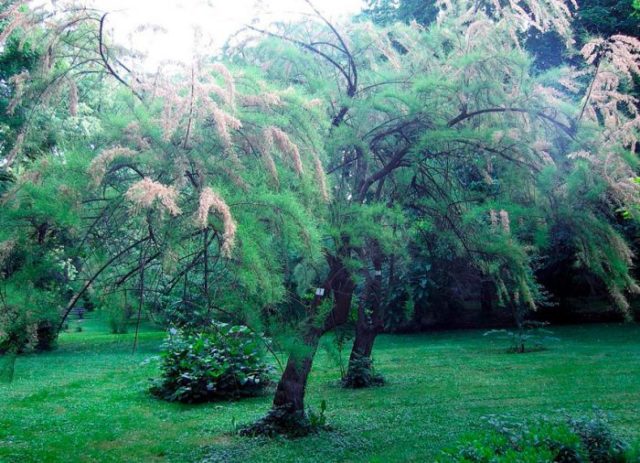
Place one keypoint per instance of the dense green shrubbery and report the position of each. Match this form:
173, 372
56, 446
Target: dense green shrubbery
577, 440
602, 445
188, 312
28, 328
116, 311
225, 362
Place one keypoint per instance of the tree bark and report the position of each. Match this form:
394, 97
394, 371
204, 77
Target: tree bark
287, 415
291, 388
369, 324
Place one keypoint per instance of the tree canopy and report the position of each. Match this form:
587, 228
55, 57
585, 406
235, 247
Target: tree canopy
313, 172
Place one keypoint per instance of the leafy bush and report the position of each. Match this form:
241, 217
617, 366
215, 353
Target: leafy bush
16, 333
118, 320
576, 440
187, 313
226, 362
28, 328
599, 440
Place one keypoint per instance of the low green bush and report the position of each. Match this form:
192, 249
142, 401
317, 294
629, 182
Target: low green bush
599, 439
225, 362
575, 440
24, 330
528, 336
117, 311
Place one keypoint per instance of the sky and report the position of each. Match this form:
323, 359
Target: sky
217, 19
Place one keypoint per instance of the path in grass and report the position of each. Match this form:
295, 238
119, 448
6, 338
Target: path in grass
87, 401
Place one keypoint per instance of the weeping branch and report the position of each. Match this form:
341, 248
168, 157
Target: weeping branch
74, 300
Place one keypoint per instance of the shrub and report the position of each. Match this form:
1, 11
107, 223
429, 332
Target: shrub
226, 362
599, 440
576, 440
16, 333
187, 313
118, 321
528, 336
117, 311
25, 331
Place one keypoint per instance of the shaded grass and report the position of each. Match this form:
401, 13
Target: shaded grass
87, 401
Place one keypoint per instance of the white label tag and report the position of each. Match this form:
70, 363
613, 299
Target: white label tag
378, 273
319, 291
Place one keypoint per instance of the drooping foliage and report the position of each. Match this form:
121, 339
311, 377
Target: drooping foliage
160, 198
591, 18
318, 173
479, 152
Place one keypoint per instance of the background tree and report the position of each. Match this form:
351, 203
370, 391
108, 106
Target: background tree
198, 188
591, 18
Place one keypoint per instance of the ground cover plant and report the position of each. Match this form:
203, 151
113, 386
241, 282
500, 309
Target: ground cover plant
528, 336
573, 440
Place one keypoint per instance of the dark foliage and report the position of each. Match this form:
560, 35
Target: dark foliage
598, 438
24, 334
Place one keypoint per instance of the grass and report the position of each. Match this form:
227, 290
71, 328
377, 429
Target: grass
87, 401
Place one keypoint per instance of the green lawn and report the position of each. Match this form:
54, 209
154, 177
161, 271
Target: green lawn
86, 401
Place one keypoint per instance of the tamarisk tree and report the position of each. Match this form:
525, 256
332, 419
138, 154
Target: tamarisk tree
451, 127
195, 185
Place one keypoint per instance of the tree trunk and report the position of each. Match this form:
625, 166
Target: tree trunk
370, 322
287, 415
292, 384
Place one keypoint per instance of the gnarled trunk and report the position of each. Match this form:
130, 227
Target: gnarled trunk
287, 415
291, 387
